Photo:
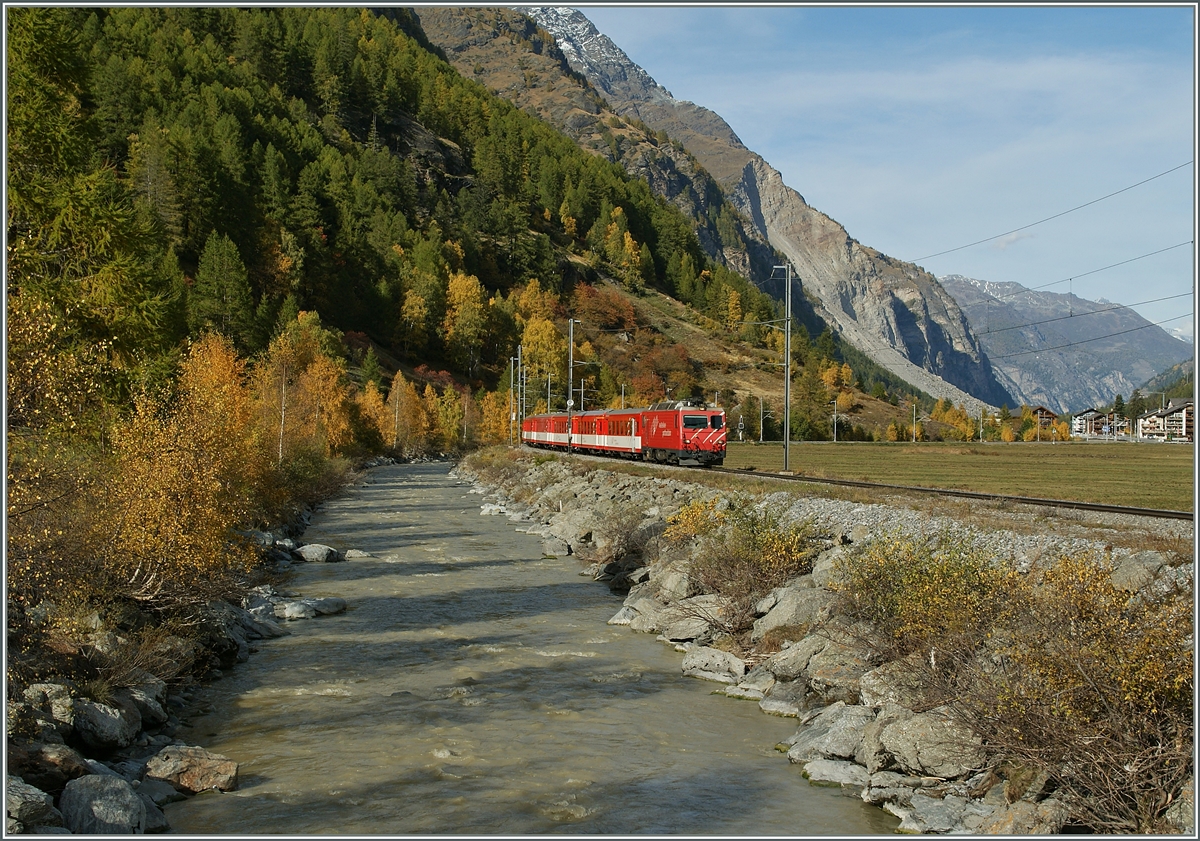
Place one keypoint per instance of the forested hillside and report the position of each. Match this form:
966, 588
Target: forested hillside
220, 221
337, 162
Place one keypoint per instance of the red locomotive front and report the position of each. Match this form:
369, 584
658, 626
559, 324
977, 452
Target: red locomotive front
684, 432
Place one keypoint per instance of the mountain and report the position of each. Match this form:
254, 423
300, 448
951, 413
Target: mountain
1177, 381
1014, 323
893, 311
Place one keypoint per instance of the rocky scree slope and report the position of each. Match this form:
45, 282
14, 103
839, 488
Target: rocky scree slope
1068, 380
859, 726
893, 311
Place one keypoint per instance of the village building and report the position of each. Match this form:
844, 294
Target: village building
1092, 423
1173, 423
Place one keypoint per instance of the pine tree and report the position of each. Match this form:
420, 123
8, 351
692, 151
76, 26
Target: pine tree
220, 297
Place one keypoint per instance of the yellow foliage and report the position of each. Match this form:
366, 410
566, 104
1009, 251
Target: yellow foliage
535, 303
832, 376
182, 483
1087, 646
545, 348
407, 423
1007, 434
372, 410
322, 403
494, 418
696, 519
921, 591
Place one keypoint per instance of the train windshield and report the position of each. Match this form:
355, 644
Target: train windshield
695, 422
718, 421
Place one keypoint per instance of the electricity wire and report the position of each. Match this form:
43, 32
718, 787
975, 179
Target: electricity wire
1081, 314
1093, 339
1093, 271
1055, 216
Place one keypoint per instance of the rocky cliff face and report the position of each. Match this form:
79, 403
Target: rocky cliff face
895, 312
1014, 323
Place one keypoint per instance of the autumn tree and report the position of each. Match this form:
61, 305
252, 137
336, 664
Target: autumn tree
466, 320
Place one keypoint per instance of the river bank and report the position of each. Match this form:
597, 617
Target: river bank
860, 727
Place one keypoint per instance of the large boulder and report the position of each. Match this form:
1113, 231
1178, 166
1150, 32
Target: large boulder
193, 769
102, 805
674, 584
29, 805
692, 618
823, 574
327, 606
318, 553
1025, 818
940, 815
292, 610
713, 664
47, 767
156, 821
835, 671
834, 772
1182, 813
1136, 571
107, 727
932, 743
151, 711
834, 734
160, 793
891, 683
791, 662
785, 698
649, 614
871, 753
55, 700
802, 606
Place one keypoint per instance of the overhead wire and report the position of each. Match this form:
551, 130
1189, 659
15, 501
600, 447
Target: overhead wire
1081, 314
1093, 339
1055, 216
1093, 271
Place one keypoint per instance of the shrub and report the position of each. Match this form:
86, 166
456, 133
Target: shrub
1067, 675
918, 592
1096, 689
746, 552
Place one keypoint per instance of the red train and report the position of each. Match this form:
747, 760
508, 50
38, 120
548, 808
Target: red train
674, 431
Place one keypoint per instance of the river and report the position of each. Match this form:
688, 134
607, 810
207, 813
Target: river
473, 687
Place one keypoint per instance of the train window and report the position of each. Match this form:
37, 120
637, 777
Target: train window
717, 421
695, 422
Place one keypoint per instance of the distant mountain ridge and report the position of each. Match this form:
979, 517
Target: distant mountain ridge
1013, 323
893, 311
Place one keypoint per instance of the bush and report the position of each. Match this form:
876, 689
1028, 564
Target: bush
919, 592
745, 553
1067, 674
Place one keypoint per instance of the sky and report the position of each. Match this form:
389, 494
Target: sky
923, 129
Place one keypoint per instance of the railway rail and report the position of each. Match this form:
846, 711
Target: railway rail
1162, 513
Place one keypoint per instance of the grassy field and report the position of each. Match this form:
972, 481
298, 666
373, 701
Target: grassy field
1142, 475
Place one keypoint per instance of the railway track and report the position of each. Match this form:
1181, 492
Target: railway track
1162, 513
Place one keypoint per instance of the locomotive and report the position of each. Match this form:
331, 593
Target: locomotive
685, 432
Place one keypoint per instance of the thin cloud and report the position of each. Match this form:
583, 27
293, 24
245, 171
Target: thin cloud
1004, 243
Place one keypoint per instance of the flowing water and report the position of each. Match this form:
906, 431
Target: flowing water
474, 687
